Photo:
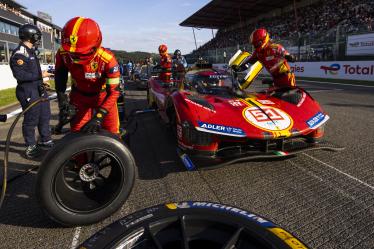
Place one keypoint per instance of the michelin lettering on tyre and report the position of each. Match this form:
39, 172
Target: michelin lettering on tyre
268, 118
208, 205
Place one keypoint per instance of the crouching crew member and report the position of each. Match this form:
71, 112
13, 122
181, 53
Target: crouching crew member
25, 66
96, 75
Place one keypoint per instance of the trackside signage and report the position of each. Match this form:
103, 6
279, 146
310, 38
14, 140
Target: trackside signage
360, 44
349, 70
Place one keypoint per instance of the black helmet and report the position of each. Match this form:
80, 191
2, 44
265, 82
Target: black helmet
29, 32
177, 52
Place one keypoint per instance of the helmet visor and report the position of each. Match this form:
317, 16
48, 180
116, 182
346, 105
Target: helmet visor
82, 57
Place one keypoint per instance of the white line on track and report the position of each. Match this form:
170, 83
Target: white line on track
341, 172
309, 172
75, 241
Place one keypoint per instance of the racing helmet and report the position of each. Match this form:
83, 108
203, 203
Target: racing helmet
206, 82
259, 39
177, 53
162, 49
81, 37
29, 32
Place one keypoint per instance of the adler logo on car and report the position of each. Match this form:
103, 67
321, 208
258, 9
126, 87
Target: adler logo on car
316, 120
221, 129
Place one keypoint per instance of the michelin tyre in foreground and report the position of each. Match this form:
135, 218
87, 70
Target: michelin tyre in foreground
192, 225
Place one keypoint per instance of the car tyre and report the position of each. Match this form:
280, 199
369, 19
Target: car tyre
72, 203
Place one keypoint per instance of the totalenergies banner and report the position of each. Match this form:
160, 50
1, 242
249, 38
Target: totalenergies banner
348, 70
360, 44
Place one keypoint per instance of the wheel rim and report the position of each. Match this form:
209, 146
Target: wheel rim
89, 181
193, 232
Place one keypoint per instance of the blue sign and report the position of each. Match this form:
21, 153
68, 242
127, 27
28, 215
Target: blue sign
222, 129
316, 119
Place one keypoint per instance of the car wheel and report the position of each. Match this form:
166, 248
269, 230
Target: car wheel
172, 120
85, 178
193, 225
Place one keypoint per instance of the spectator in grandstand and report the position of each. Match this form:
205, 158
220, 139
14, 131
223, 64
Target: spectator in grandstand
165, 64
316, 23
272, 56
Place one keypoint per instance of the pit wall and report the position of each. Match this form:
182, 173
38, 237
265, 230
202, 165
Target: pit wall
6, 77
347, 70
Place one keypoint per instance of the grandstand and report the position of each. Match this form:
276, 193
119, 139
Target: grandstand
313, 30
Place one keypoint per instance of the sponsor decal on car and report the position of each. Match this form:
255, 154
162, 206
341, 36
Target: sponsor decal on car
268, 118
220, 129
236, 103
218, 76
266, 102
317, 120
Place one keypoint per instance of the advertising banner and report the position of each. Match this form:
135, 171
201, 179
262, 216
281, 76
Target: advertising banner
348, 70
360, 45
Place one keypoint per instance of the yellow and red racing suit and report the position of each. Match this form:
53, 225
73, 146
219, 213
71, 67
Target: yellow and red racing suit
96, 85
166, 64
273, 59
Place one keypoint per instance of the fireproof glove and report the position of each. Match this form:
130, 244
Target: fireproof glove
290, 58
94, 125
235, 68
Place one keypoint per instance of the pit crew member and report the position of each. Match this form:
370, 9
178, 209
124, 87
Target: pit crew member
25, 67
165, 64
272, 56
95, 73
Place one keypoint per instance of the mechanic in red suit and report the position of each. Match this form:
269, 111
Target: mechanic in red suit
165, 63
273, 57
95, 73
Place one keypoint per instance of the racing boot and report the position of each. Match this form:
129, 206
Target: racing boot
32, 151
46, 145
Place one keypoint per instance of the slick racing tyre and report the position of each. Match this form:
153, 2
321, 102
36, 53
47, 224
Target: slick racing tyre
85, 178
192, 225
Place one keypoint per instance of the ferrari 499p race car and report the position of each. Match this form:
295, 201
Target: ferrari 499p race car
213, 119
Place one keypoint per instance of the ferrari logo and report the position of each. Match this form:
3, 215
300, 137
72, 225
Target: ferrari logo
73, 39
94, 65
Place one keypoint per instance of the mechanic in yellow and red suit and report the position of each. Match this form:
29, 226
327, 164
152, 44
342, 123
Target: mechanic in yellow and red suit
165, 64
272, 56
95, 73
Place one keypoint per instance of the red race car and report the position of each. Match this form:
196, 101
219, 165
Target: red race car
215, 120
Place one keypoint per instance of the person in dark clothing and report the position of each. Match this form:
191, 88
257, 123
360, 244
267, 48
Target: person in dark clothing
25, 67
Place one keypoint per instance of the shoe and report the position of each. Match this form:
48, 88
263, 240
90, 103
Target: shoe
32, 151
46, 145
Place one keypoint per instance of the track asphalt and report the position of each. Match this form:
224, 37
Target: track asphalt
325, 198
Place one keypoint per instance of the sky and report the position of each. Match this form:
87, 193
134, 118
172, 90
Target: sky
131, 25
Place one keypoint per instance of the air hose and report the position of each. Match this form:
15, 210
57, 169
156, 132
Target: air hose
7, 145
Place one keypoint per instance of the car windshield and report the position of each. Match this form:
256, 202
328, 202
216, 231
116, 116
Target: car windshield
216, 84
